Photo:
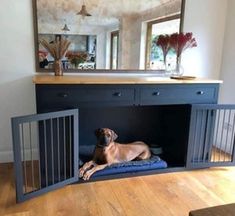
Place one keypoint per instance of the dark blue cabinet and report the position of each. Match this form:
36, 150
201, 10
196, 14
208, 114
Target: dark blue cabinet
178, 94
160, 114
185, 120
58, 96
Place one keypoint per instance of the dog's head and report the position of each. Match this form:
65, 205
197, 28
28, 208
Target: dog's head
105, 136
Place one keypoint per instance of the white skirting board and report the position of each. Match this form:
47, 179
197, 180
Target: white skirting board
7, 156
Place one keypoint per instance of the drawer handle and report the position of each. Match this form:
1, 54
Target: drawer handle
156, 93
63, 95
117, 94
200, 92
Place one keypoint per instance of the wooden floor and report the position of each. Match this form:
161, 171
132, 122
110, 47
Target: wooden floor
172, 194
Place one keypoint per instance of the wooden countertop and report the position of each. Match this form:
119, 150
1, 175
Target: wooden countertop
115, 79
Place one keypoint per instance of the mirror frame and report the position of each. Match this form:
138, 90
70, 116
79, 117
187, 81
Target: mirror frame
119, 71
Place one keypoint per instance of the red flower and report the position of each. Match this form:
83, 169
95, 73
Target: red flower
164, 42
180, 42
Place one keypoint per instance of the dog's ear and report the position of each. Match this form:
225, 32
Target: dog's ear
97, 132
114, 136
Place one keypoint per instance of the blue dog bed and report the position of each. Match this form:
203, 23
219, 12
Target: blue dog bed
155, 162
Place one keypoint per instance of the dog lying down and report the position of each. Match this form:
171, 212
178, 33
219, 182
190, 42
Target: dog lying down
108, 152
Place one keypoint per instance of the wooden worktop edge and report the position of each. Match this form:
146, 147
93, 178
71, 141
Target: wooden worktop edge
112, 79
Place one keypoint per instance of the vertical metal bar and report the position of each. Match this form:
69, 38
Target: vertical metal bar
39, 157
202, 131
221, 137
232, 138
75, 145
45, 150
31, 154
211, 134
18, 155
195, 136
226, 139
216, 136
70, 146
24, 159
65, 175
207, 134
58, 145
52, 153
233, 150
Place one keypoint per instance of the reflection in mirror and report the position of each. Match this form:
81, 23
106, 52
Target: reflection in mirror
154, 55
80, 55
107, 34
114, 50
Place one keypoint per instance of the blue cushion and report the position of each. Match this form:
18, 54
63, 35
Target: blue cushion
153, 163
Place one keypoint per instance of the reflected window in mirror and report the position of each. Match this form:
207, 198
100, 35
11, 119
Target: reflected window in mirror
114, 50
154, 55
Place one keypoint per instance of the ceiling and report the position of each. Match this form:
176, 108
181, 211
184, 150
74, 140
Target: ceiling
104, 12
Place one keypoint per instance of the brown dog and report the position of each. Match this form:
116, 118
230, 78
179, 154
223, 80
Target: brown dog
108, 152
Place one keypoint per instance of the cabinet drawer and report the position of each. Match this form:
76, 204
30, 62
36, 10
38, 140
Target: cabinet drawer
174, 94
73, 95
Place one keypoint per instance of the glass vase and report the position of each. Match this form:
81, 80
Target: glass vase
167, 67
179, 70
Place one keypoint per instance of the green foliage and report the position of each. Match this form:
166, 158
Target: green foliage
76, 60
156, 51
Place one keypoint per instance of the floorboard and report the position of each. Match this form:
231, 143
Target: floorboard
172, 194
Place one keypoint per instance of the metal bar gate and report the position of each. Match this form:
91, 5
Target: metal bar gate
211, 138
45, 152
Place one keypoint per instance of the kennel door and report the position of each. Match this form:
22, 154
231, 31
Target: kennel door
211, 136
45, 152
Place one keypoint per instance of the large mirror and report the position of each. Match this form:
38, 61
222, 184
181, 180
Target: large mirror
106, 34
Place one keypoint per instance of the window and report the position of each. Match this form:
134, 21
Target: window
154, 56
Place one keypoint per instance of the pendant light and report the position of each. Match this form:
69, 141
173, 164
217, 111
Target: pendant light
83, 12
65, 28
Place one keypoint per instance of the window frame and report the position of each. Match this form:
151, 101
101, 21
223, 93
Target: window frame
149, 35
114, 34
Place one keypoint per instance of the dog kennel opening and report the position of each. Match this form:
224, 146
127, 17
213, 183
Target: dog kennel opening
164, 129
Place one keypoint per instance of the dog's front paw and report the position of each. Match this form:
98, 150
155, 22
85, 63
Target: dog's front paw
81, 172
86, 176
